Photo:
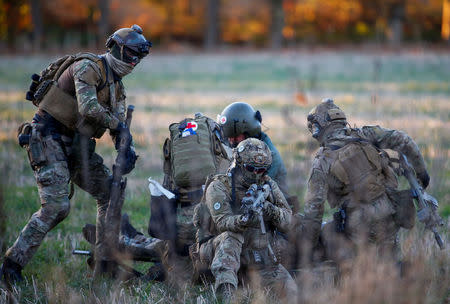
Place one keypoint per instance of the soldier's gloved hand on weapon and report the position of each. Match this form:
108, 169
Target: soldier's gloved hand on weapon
123, 140
122, 133
269, 210
424, 178
248, 219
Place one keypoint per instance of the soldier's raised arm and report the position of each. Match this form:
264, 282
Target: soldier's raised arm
401, 142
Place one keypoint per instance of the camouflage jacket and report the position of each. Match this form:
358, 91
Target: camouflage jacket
226, 216
85, 80
322, 185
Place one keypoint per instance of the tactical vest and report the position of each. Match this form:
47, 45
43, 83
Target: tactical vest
193, 152
48, 96
363, 170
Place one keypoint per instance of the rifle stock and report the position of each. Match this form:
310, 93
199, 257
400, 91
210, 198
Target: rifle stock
426, 208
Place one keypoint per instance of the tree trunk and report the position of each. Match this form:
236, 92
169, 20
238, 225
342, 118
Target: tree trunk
396, 19
36, 16
212, 24
445, 31
276, 30
103, 25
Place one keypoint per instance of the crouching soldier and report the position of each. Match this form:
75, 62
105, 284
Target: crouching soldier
354, 174
79, 97
234, 240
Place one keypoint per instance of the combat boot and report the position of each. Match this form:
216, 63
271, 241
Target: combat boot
11, 272
225, 292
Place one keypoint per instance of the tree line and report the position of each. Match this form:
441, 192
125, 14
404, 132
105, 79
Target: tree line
38, 24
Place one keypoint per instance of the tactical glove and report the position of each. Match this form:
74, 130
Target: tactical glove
424, 178
270, 211
122, 132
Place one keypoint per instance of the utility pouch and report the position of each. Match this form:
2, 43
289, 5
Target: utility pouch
24, 134
340, 218
405, 211
36, 153
85, 127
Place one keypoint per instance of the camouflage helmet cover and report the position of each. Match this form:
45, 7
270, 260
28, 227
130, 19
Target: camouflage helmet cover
252, 151
240, 118
131, 38
324, 115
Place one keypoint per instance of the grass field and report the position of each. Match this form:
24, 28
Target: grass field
409, 91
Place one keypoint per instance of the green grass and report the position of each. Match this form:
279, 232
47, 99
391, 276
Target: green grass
413, 95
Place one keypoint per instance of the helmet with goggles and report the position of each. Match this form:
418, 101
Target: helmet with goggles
253, 155
129, 44
323, 116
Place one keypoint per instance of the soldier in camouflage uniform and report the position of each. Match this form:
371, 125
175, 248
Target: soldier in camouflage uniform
239, 245
62, 152
354, 174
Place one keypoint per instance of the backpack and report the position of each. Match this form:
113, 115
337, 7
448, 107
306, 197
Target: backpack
41, 83
45, 93
363, 170
192, 152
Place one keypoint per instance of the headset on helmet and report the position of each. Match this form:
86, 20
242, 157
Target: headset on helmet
324, 115
131, 43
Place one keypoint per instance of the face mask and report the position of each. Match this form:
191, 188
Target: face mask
118, 66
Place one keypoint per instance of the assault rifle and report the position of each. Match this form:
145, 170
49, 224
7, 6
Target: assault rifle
252, 205
117, 193
426, 204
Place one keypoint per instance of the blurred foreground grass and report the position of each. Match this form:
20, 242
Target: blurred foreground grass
406, 91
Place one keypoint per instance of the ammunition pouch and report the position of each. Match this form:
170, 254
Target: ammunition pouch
405, 211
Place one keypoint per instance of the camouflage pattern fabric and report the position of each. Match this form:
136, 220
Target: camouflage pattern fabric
372, 223
235, 246
96, 107
75, 160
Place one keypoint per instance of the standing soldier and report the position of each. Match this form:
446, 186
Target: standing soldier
352, 172
240, 242
79, 97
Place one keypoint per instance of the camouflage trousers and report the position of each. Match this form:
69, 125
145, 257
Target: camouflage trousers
226, 251
74, 161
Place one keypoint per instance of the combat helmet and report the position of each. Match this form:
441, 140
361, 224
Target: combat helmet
129, 44
323, 116
253, 155
240, 118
